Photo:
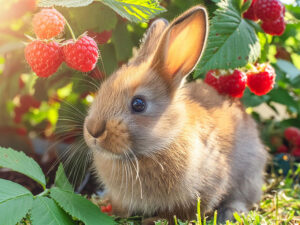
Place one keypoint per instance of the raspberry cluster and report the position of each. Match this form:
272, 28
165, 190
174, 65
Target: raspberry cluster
270, 12
290, 143
45, 55
106, 209
260, 80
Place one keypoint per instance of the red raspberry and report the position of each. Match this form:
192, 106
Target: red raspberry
212, 79
249, 14
27, 101
282, 53
108, 208
282, 149
100, 38
268, 10
18, 114
21, 131
292, 134
103, 209
261, 82
233, 84
81, 55
276, 27
21, 7
48, 23
44, 58
296, 152
97, 74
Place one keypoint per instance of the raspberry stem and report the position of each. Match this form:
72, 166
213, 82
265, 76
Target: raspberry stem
71, 31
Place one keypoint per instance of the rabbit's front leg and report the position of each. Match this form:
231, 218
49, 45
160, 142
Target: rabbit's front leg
225, 212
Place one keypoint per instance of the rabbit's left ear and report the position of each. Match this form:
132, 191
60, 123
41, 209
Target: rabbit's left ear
181, 46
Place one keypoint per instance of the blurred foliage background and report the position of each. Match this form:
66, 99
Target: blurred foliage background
34, 110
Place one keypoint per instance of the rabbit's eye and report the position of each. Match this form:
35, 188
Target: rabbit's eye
138, 104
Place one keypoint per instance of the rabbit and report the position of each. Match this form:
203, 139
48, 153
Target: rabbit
159, 143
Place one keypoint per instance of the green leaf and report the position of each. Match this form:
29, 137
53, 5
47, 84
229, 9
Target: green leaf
282, 96
80, 208
15, 202
65, 3
122, 42
19, 162
109, 58
46, 212
252, 100
135, 10
287, 67
61, 179
232, 41
100, 17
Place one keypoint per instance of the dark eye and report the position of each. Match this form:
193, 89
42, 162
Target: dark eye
138, 104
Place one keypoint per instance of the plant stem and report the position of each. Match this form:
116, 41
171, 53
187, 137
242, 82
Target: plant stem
71, 31
44, 193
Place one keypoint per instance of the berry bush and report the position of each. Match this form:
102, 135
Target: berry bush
55, 53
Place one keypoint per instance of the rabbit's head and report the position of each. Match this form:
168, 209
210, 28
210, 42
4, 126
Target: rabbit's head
138, 109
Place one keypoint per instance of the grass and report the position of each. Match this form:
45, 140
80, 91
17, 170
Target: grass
280, 205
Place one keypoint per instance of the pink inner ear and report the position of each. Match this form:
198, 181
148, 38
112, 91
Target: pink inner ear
186, 41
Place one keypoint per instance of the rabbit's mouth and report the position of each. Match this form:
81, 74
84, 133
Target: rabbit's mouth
113, 137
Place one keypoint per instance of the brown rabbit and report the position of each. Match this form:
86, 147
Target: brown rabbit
159, 143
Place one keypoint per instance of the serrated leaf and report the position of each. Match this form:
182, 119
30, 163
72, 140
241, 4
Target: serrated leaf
135, 10
19, 162
15, 202
80, 208
61, 179
232, 41
46, 212
64, 3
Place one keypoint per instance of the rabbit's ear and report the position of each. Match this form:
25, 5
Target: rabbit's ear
150, 40
181, 46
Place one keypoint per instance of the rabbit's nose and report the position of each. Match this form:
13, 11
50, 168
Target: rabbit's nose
95, 127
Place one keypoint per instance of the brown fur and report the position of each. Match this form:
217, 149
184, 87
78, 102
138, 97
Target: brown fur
190, 142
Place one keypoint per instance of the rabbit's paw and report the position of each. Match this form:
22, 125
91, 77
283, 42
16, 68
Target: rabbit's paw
226, 212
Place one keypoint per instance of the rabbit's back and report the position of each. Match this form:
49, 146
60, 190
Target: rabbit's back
234, 153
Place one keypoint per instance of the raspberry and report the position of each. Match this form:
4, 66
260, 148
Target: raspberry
109, 208
268, 10
21, 131
249, 14
44, 58
292, 134
21, 7
97, 74
282, 149
212, 80
100, 38
81, 55
282, 53
48, 23
296, 152
103, 208
19, 112
276, 27
261, 82
27, 101
233, 84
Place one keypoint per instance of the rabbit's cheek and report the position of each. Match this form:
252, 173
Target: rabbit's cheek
116, 138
